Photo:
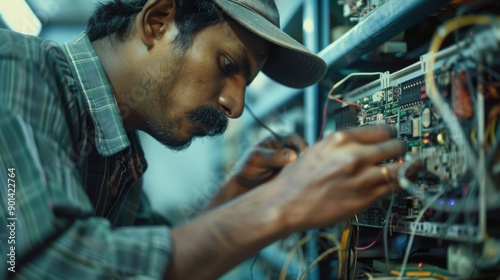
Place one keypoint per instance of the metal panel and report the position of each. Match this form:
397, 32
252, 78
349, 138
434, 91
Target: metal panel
386, 22
312, 34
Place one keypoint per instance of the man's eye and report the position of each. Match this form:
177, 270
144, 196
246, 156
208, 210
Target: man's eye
229, 67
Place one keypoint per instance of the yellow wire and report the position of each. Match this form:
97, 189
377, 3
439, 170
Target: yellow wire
318, 259
334, 239
294, 249
299, 244
436, 41
492, 125
355, 252
331, 237
439, 37
473, 136
493, 130
346, 234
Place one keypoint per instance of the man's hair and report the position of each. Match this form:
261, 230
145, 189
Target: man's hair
116, 17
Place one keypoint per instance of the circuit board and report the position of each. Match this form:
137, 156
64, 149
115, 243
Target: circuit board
407, 106
358, 10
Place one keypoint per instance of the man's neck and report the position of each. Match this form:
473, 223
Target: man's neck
111, 54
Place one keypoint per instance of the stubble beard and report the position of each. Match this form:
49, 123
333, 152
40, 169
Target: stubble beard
166, 130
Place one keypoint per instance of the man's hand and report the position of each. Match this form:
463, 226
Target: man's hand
330, 182
261, 165
338, 177
267, 159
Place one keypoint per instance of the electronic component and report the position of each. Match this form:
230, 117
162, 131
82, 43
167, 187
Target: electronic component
413, 91
405, 127
426, 117
405, 103
358, 10
416, 128
346, 117
447, 110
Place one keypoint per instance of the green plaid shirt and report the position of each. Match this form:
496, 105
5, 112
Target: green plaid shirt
75, 173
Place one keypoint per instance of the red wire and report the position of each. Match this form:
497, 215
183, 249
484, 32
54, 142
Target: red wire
348, 103
325, 109
323, 121
370, 245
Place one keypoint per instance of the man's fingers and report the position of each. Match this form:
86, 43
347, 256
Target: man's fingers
364, 135
292, 141
387, 184
295, 142
376, 153
379, 175
264, 157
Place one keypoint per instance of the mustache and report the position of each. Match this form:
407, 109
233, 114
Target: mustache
209, 117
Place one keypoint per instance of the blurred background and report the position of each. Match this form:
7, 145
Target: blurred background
353, 37
177, 183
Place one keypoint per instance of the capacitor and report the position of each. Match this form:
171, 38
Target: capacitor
416, 128
415, 150
415, 203
441, 138
426, 117
462, 102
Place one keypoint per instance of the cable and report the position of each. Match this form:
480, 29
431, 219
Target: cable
459, 205
347, 103
386, 229
432, 91
493, 150
323, 120
370, 277
492, 126
449, 118
370, 245
492, 72
344, 244
414, 231
330, 97
332, 238
355, 266
263, 125
318, 259
289, 258
299, 244
253, 262
352, 75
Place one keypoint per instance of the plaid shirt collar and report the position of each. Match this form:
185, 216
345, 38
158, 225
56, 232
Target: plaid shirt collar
110, 134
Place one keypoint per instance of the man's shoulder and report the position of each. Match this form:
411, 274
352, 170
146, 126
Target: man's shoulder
40, 75
17, 46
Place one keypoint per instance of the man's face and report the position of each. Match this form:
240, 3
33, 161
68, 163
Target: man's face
193, 93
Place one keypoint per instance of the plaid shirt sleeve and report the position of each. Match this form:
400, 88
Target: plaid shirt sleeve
55, 234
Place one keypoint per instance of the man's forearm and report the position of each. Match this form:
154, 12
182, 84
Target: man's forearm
218, 240
228, 191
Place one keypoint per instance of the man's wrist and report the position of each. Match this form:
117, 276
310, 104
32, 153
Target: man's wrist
273, 207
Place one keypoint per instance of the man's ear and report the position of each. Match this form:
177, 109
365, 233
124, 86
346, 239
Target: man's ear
156, 18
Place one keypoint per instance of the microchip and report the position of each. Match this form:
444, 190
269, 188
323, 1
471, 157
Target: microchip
405, 128
346, 117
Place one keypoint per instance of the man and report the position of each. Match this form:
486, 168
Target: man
176, 69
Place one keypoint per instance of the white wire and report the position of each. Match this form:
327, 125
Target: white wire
370, 277
413, 232
388, 220
355, 74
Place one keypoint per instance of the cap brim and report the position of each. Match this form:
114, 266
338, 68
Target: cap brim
289, 63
